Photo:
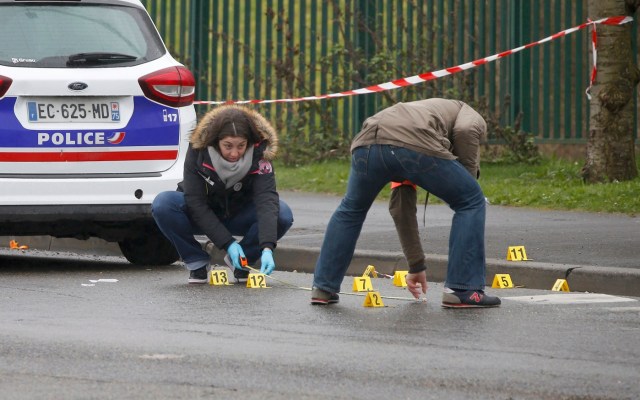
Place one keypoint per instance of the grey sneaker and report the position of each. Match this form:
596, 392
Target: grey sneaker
469, 299
321, 297
211, 249
241, 275
200, 275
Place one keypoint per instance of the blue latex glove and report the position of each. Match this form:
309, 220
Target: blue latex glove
266, 262
234, 251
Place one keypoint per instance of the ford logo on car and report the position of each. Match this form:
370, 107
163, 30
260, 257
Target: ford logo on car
77, 86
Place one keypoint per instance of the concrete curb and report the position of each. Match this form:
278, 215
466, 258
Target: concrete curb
529, 274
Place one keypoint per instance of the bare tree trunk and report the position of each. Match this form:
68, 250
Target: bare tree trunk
611, 147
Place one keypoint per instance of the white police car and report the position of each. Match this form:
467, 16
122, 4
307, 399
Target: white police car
94, 119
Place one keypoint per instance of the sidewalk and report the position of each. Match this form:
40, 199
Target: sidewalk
595, 252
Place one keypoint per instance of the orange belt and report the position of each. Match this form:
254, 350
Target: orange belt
403, 183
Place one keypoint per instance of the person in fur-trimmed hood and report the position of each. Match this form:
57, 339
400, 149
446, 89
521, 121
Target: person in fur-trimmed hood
229, 188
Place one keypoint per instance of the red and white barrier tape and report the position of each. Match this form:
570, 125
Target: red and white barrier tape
594, 69
427, 76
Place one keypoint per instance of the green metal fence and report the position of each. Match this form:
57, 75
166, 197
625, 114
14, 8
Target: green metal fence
275, 49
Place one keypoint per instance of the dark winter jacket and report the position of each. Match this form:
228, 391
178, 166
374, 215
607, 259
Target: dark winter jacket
208, 202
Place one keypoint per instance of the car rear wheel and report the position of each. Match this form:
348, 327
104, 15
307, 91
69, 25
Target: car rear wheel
149, 248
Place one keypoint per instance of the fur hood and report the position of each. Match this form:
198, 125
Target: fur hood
203, 134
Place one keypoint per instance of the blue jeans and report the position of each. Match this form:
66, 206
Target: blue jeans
170, 212
372, 167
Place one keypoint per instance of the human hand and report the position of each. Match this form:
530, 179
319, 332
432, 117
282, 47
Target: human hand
417, 283
234, 251
267, 265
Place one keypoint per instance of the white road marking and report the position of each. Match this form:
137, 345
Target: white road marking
570, 298
161, 356
622, 309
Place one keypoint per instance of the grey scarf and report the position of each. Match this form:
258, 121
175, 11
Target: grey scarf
231, 172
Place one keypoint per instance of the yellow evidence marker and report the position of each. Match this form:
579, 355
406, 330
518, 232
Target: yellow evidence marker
517, 253
256, 280
362, 284
218, 277
373, 299
400, 278
370, 271
502, 281
561, 285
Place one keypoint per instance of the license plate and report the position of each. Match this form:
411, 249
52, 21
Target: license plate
73, 111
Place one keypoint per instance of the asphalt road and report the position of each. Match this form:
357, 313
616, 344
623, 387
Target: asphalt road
95, 327
595, 252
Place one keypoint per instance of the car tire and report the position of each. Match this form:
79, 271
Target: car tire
150, 248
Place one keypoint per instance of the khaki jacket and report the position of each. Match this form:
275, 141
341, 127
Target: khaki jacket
443, 128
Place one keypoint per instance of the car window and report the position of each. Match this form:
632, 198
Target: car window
46, 36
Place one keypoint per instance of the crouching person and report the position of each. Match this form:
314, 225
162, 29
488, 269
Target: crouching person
229, 189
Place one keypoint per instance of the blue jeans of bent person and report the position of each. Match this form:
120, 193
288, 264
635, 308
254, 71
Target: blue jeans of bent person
372, 167
170, 213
